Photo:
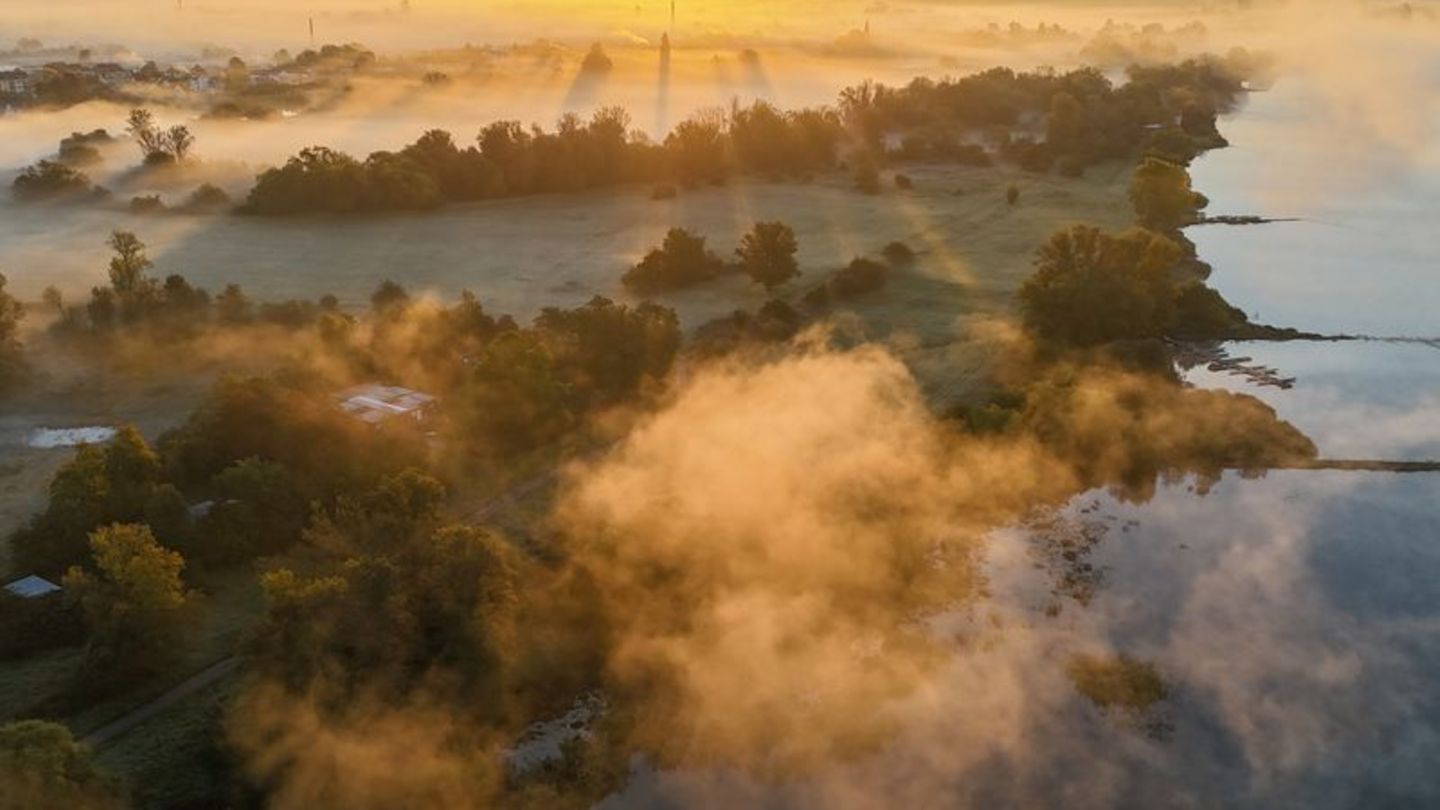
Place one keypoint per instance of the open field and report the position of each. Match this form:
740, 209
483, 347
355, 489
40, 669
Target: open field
520, 255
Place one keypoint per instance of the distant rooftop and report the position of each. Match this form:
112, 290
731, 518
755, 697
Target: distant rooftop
31, 587
376, 403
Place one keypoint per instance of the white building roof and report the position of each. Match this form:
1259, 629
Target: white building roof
375, 403
31, 587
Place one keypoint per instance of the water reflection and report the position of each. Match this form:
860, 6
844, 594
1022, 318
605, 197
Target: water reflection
1355, 400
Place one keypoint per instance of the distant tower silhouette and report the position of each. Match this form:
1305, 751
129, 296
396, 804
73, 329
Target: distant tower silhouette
312, 32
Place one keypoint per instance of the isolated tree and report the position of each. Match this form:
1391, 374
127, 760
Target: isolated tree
133, 601
768, 254
42, 765
128, 265
178, 142
141, 126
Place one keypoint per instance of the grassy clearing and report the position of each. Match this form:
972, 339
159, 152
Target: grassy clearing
176, 759
520, 255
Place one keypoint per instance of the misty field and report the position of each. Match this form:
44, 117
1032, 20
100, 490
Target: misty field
521, 255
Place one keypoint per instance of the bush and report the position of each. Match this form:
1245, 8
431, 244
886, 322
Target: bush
207, 197
903, 182
860, 276
898, 253
680, 261
1090, 287
48, 180
151, 204
768, 254
79, 155
81, 148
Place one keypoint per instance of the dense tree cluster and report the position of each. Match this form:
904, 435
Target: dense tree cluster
1162, 196
860, 276
119, 482
83, 148
508, 159
1087, 117
133, 602
42, 765
775, 322
527, 386
766, 254
1092, 287
50, 180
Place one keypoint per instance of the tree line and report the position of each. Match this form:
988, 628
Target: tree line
1087, 118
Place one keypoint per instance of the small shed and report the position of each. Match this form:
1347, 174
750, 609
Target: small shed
32, 587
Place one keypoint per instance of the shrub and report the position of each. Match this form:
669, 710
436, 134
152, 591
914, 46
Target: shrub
49, 180
207, 197
151, 204
898, 253
903, 182
768, 254
860, 276
681, 260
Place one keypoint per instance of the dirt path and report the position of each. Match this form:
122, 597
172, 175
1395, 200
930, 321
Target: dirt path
135, 717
